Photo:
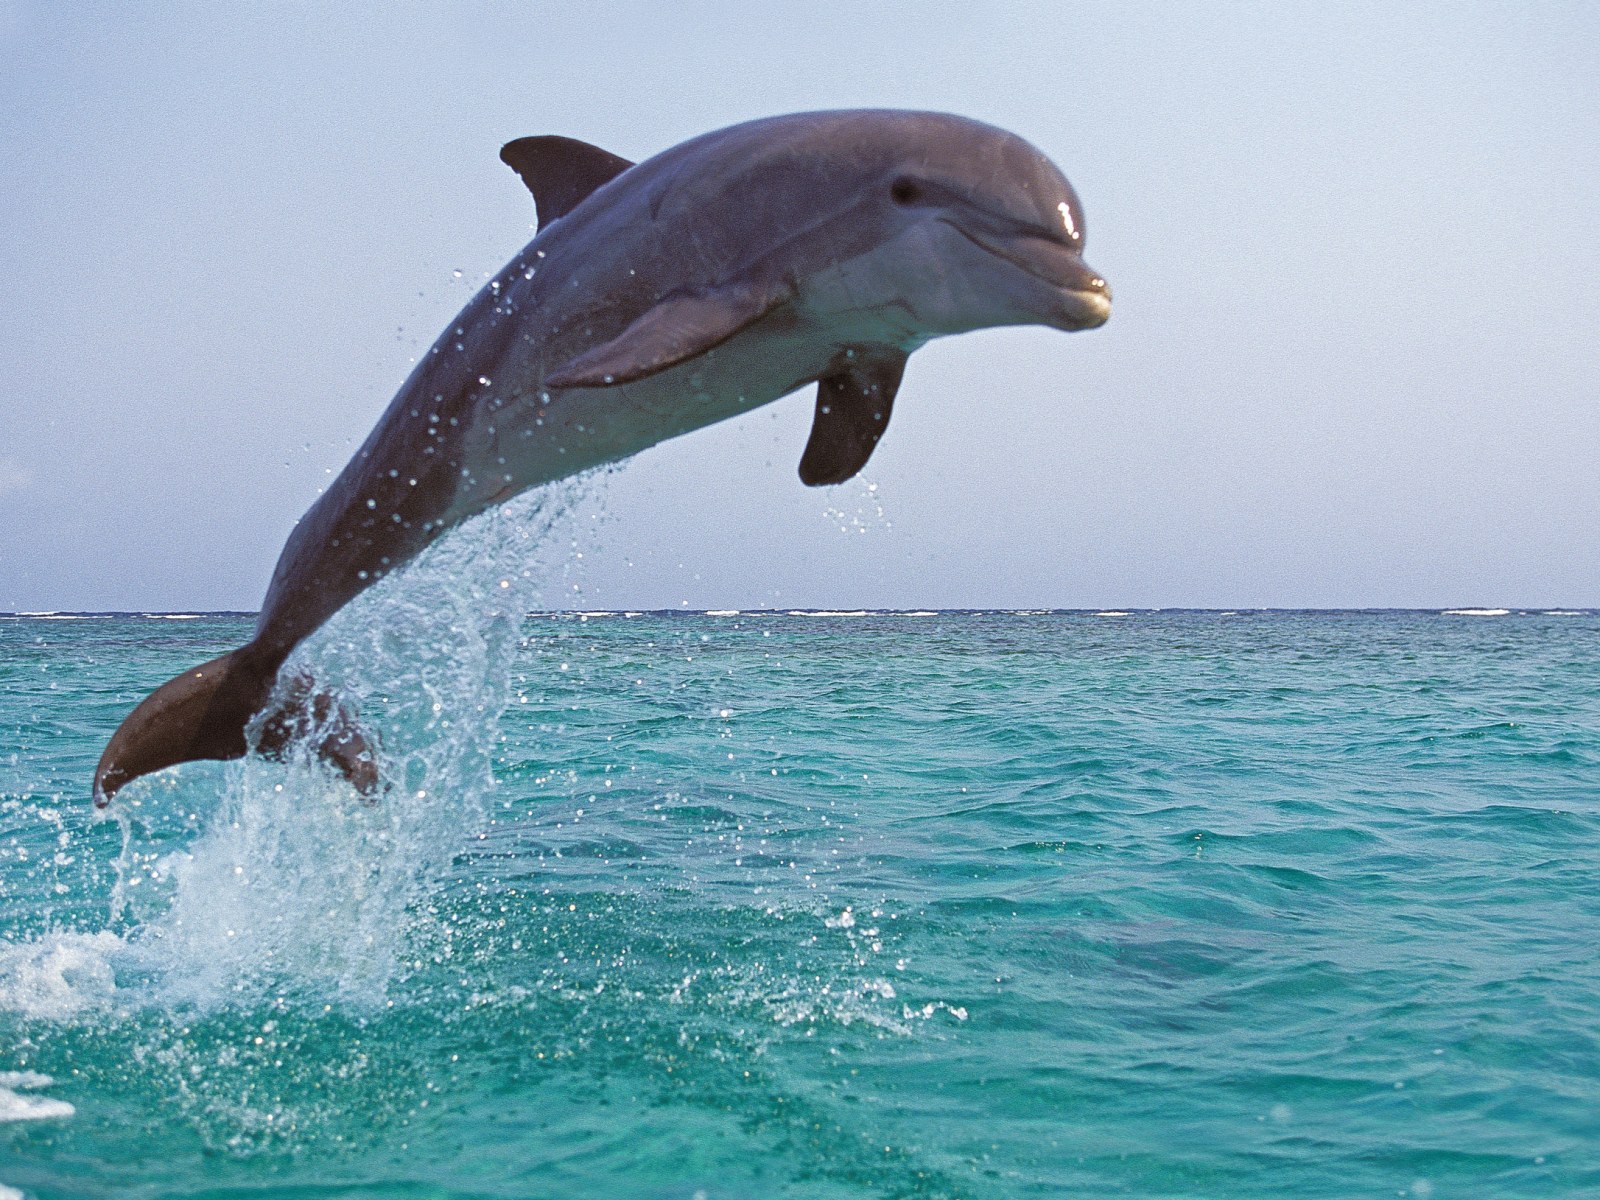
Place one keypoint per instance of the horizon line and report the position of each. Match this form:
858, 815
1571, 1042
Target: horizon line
799, 610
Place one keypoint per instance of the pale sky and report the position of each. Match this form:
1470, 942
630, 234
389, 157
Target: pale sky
1355, 251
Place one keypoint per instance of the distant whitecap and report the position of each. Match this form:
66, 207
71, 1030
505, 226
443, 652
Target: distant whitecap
16, 1106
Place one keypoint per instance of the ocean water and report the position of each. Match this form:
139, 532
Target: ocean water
683, 905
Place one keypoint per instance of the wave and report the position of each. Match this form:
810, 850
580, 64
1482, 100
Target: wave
1475, 612
58, 616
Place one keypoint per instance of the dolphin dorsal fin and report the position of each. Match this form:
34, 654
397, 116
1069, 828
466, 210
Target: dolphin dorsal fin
560, 172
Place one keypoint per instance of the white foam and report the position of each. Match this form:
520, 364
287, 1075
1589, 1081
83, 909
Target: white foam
1113, 612
831, 612
14, 1106
1476, 612
59, 976
722, 612
171, 616
1563, 612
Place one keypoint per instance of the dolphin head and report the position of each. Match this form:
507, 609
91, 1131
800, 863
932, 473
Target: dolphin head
979, 229
991, 233
936, 223
939, 223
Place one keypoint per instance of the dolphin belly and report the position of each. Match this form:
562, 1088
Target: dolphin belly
545, 435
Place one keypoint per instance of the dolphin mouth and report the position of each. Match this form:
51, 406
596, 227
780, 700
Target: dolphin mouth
1086, 297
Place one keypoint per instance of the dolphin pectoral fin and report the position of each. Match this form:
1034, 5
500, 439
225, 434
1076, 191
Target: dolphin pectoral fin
199, 715
678, 328
560, 172
853, 405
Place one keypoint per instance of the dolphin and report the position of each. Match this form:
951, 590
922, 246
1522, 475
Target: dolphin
655, 298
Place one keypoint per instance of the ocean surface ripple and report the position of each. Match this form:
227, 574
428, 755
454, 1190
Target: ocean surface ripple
1176, 904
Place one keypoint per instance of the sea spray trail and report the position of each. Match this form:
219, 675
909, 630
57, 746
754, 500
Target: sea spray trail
263, 878
962, 905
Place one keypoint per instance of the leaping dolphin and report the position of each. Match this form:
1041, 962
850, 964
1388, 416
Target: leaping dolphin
656, 298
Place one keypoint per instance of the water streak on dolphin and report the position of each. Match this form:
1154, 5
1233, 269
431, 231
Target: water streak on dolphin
656, 298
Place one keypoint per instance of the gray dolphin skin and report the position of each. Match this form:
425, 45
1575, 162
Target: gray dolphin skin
655, 299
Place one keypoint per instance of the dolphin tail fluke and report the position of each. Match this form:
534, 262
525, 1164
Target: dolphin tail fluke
200, 714
204, 714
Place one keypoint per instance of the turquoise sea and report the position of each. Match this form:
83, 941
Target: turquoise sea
686, 905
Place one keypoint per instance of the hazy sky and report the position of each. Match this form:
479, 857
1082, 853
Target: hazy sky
1355, 251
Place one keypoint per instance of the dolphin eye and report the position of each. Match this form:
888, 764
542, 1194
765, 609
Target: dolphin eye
904, 191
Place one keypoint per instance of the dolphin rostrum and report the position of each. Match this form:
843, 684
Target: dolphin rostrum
656, 298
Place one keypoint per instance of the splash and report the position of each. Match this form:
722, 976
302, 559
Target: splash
59, 976
273, 879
